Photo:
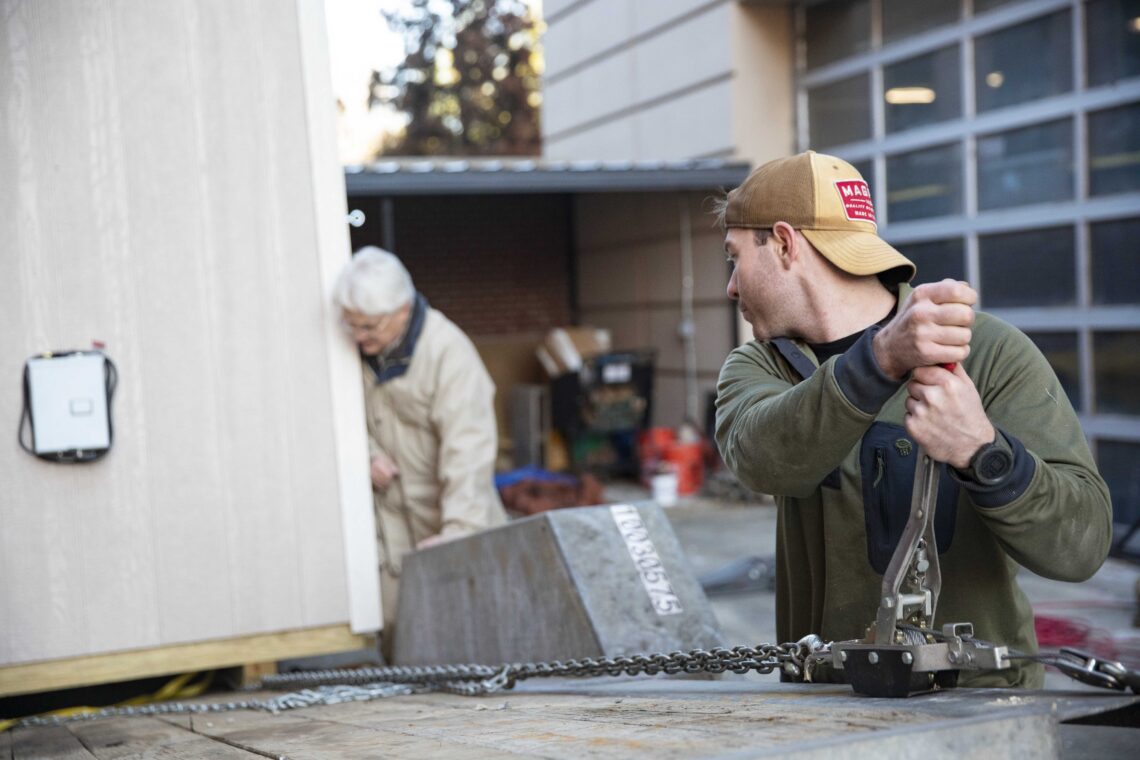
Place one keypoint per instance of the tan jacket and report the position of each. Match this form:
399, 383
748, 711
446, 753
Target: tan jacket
437, 423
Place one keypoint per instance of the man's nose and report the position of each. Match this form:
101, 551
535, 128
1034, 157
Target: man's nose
732, 291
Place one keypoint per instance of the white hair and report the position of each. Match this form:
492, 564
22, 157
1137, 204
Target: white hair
374, 282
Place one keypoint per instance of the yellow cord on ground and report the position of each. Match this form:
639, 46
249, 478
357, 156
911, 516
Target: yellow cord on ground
178, 687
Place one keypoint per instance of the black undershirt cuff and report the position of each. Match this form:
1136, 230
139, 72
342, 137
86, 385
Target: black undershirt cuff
861, 379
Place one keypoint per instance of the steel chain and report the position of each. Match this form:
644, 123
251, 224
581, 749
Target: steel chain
328, 687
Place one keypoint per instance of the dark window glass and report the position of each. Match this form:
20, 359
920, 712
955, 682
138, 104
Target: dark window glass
837, 29
1034, 268
840, 112
1119, 465
1116, 367
1029, 165
1115, 261
985, 5
905, 17
922, 90
1025, 62
1060, 348
936, 260
1114, 150
1112, 36
924, 183
867, 170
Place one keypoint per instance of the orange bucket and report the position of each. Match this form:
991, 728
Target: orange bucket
689, 461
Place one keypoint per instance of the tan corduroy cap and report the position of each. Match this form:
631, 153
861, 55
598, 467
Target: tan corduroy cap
826, 199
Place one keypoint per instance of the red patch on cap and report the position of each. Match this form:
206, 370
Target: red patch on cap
856, 197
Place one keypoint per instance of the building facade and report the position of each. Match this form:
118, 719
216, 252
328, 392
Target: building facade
1001, 139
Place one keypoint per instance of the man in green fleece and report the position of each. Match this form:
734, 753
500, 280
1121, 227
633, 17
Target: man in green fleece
825, 410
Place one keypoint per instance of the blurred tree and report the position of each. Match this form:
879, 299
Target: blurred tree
469, 84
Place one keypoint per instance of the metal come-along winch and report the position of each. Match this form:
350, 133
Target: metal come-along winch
901, 654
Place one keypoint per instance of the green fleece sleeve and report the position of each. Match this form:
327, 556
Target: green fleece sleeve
1060, 525
783, 438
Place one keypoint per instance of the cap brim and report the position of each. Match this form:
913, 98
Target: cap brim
860, 253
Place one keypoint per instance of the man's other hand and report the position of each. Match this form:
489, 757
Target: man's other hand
384, 471
932, 328
944, 415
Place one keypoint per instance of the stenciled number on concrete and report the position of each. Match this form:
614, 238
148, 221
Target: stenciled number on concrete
645, 559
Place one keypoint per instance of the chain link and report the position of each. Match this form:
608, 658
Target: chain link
329, 687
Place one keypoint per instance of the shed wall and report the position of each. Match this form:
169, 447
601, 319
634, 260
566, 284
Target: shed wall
171, 189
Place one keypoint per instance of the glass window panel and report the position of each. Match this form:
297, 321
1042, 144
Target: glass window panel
905, 17
837, 29
1115, 262
924, 183
1119, 465
866, 170
985, 5
922, 90
1113, 40
1026, 62
936, 260
1034, 268
1028, 165
840, 112
1116, 366
1114, 150
1060, 348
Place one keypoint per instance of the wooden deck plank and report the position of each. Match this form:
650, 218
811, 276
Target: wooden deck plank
47, 743
123, 737
297, 737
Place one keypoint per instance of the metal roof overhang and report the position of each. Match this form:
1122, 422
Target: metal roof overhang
516, 176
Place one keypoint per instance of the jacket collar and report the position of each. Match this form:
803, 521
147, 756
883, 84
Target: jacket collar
395, 363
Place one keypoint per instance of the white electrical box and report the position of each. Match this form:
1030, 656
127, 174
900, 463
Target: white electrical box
67, 398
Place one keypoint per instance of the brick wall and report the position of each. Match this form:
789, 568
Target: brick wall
495, 264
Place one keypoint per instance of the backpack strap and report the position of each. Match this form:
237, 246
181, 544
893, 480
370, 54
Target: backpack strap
795, 357
803, 365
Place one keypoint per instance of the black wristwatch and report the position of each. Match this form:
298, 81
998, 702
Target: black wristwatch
990, 465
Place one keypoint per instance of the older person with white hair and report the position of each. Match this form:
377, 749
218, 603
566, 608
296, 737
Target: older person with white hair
431, 418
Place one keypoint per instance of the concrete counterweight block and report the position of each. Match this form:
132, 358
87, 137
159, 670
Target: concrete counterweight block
582, 582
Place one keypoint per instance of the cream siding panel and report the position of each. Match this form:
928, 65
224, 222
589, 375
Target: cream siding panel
613, 140
560, 103
552, 7
589, 30
163, 201
692, 52
648, 15
686, 127
599, 91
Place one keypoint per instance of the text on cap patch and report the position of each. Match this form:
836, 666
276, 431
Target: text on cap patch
856, 198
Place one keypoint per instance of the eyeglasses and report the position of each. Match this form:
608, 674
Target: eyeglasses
371, 326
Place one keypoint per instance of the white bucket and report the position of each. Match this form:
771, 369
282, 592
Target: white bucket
664, 487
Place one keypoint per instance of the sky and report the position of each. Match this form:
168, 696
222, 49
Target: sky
359, 42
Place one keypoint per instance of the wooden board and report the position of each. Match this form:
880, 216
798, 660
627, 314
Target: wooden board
185, 658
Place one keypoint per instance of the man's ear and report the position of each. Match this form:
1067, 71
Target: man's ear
788, 247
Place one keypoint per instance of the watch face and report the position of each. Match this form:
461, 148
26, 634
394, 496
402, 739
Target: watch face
993, 465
